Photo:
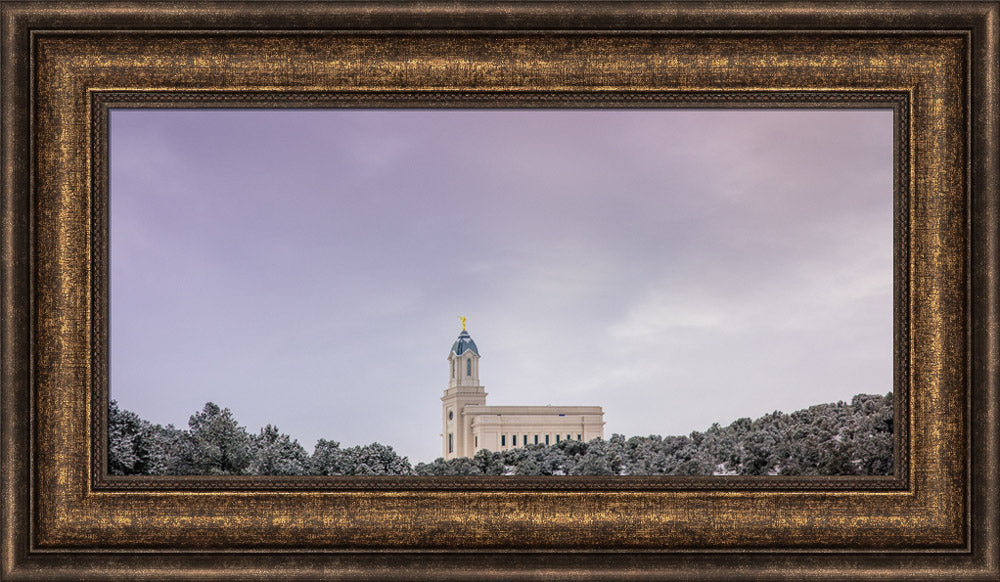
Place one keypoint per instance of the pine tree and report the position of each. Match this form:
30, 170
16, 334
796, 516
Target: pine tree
129, 442
277, 454
218, 444
374, 459
441, 467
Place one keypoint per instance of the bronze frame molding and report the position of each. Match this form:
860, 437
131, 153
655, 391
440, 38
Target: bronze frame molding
64, 63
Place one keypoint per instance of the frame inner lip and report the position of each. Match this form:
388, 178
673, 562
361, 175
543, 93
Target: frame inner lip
102, 101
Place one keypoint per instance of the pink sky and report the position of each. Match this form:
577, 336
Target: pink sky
307, 268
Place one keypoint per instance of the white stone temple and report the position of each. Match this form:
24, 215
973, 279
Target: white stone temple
469, 425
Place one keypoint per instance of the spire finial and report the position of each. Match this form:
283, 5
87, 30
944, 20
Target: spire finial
462, 317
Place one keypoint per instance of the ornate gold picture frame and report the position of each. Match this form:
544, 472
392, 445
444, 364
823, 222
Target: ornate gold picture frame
66, 64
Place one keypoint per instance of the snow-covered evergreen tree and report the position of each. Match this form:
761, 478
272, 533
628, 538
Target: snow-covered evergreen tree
277, 454
129, 442
374, 459
218, 444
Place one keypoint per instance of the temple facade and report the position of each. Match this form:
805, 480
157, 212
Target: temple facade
469, 425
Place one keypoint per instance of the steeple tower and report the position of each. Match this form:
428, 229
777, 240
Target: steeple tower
463, 389
464, 359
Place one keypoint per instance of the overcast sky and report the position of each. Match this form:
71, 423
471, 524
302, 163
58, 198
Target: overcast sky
307, 268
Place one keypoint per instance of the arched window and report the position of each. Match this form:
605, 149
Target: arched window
451, 443
468, 367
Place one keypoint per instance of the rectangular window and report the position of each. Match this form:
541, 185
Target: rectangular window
451, 443
513, 440
503, 440
525, 441
476, 440
578, 438
546, 439
557, 438
568, 437
536, 439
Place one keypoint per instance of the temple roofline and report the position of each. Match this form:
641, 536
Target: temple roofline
475, 409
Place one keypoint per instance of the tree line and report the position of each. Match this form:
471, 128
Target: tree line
216, 444
843, 438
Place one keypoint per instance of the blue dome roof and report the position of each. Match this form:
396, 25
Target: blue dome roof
464, 343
